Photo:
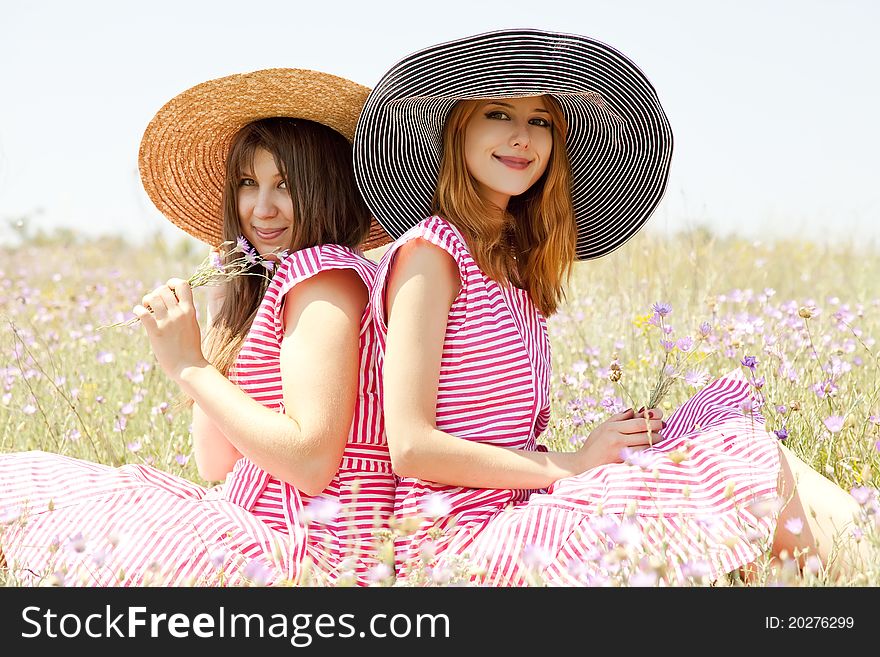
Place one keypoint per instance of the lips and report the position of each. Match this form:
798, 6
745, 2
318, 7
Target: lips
513, 162
268, 235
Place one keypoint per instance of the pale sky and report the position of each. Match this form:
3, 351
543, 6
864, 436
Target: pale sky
773, 103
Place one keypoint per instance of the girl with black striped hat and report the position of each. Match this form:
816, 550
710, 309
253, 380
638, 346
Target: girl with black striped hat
496, 161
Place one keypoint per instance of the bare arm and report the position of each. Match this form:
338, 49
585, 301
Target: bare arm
215, 455
422, 285
319, 370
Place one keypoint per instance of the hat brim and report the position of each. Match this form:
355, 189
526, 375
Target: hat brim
619, 141
182, 157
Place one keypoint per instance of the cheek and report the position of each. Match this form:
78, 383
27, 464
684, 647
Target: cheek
245, 204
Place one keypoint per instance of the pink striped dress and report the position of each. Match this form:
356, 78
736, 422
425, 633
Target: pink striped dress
701, 503
81, 523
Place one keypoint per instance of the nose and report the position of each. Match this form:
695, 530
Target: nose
519, 137
265, 207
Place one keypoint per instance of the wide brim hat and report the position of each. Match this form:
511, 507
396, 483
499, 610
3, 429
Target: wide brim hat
182, 158
619, 141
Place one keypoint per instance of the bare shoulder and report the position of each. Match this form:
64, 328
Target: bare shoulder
421, 257
342, 288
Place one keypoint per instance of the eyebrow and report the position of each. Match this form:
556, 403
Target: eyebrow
509, 106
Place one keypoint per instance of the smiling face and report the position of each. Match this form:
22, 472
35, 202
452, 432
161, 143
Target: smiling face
265, 209
507, 146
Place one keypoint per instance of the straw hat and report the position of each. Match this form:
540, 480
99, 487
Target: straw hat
183, 152
619, 141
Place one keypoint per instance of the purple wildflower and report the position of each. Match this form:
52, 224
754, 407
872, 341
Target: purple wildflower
782, 433
662, 308
667, 345
257, 572
685, 343
834, 423
862, 494
705, 329
749, 361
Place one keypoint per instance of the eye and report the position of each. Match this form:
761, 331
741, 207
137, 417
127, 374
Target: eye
538, 121
246, 182
497, 115
282, 185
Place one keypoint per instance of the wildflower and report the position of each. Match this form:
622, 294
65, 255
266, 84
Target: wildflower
795, 526
696, 569
685, 343
782, 409
749, 361
782, 433
29, 409
134, 446
441, 575
667, 345
218, 557
242, 245
379, 573
813, 565
636, 457
862, 494
436, 506
323, 510
257, 572
535, 557
834, 423
662, 308
806, 312
696, 378
120, 424
77, 542
705, 329
182, 459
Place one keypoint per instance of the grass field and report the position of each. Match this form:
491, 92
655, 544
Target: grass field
807, 313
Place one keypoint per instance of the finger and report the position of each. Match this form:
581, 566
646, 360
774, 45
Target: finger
155, 303
182, 290
640, 440
168, 297
639, 425
145, 316
623, 415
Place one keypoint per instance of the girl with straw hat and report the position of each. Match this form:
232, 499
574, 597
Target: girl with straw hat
496, 161
285, 407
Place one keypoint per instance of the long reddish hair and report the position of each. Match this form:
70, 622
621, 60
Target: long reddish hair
531, 244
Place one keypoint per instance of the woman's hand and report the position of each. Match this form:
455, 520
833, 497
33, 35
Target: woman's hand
169, 317
626, 430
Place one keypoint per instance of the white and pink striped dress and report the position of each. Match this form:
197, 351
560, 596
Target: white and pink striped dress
81, 523
702, 501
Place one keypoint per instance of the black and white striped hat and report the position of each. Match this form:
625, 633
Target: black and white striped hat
619, 141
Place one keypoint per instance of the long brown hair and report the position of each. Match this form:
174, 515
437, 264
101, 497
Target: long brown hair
535, 247
316, 163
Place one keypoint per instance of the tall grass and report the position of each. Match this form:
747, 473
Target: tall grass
807, 312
